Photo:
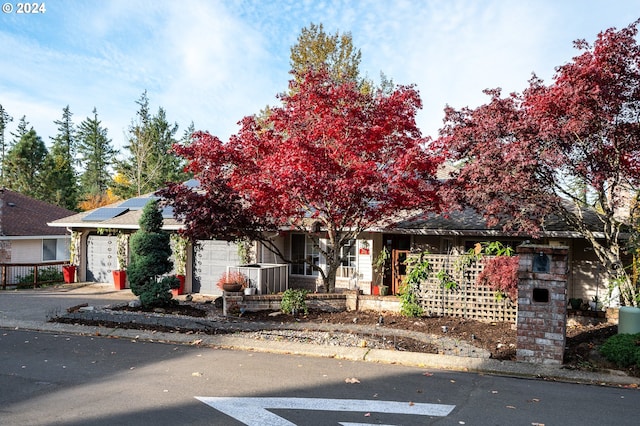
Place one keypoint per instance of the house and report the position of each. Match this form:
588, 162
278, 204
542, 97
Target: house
452, 234
25, 237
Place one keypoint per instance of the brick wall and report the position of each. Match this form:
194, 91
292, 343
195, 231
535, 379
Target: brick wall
542, 304
349, 300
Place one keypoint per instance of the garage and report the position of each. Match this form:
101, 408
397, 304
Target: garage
210, 261
101, 258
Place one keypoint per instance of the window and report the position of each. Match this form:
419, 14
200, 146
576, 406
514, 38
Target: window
49, 249
347, 260
348, 253
303, 255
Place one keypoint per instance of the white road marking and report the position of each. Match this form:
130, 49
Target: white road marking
254, 411
360, 424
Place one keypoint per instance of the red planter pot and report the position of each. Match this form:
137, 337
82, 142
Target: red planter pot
69, 273
120, 279
180, 290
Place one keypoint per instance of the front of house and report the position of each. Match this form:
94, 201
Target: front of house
96, 232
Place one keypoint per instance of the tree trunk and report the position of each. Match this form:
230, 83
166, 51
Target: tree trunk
619, 279
330, 277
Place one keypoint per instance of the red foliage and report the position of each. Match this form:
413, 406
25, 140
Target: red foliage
500, 273
519, 152
331, 152
233, 277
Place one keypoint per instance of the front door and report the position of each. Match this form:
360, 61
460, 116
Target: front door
398, 246
399, 269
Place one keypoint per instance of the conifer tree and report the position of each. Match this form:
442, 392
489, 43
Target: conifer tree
97, 155
151, 163
150, 259
60, 180
5, 118
21, 130
24, 165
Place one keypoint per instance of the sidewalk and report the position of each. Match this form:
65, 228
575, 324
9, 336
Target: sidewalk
31, 310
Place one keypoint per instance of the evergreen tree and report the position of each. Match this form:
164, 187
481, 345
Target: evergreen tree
21, 130
187, 135
151, 163
60, 179
24, 166
96, 154
5, 118
150, 259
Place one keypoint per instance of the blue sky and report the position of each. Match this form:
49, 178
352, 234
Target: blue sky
214, 62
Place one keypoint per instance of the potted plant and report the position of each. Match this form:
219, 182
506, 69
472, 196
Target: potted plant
120, 274
575, 303
180, 256
233, 282
69, 271
380, 266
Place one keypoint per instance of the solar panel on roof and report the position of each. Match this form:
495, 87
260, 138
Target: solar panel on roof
192, 183
104, 213
167, 212
136, 203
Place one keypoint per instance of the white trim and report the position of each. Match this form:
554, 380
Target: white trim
35, 237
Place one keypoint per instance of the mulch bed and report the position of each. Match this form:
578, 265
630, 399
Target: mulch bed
498, 338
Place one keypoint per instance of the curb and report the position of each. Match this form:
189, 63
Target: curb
411, 359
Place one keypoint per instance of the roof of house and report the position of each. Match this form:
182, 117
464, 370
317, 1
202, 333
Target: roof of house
469, 222
23, 216
124, 214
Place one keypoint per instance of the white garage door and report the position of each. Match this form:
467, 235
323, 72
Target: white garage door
101, 258
210, 262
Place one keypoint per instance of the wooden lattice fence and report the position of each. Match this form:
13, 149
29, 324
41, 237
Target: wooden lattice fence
467, 299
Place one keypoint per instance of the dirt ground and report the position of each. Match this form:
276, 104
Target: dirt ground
497, 337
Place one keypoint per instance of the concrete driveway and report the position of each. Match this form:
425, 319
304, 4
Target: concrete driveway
38, 305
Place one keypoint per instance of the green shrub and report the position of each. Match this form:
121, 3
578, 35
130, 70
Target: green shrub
50, 274
622, 349
410, 305
293, 301
419, 270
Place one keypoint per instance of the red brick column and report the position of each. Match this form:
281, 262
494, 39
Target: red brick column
542, 304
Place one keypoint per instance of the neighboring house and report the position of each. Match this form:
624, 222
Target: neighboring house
25, 237
451, 234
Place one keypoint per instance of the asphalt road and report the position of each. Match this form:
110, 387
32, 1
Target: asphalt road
59, 379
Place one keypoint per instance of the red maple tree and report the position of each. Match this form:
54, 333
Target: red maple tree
331, 161
566, 148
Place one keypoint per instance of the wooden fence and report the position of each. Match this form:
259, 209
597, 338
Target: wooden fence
466, 299
31, 274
